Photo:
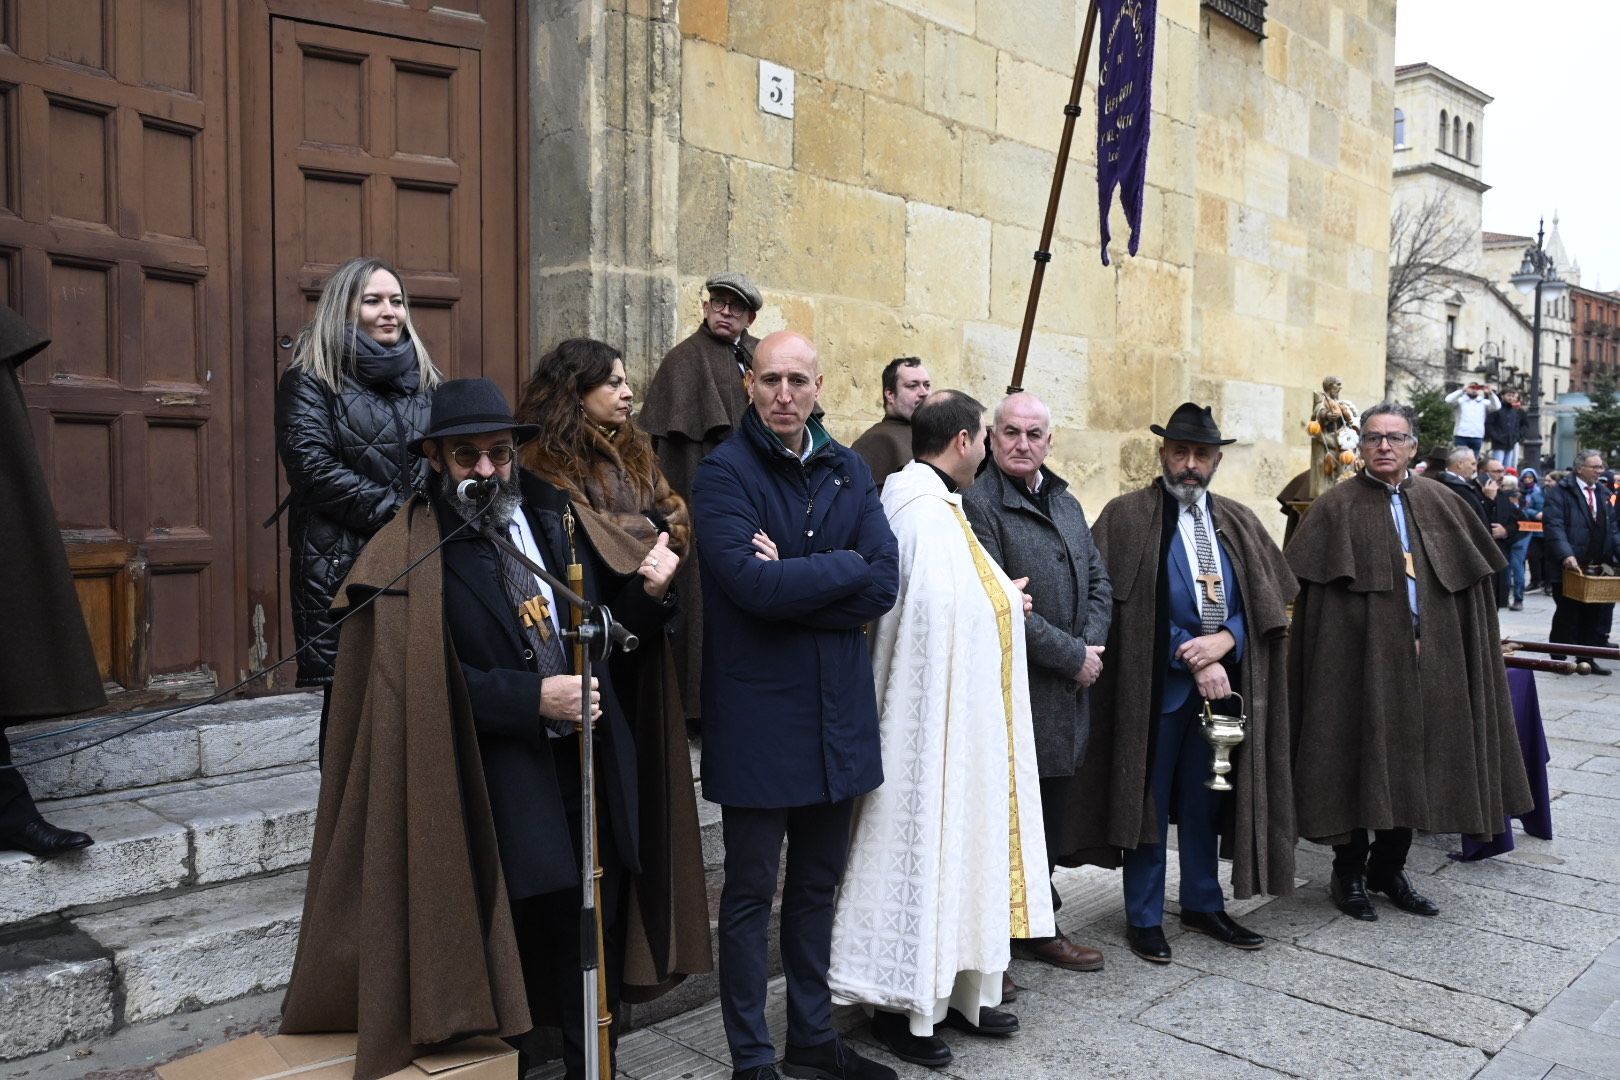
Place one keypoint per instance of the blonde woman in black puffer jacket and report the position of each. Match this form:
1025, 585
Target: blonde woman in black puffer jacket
358, 390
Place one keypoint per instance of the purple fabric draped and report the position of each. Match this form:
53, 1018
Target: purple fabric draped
1123, 109
1533, 742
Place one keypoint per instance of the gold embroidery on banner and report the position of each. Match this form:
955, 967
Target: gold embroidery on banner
1019, 886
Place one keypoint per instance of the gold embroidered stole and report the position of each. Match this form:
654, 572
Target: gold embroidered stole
1019, 889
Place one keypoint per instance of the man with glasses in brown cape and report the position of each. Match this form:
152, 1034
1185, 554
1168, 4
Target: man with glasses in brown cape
1402, 717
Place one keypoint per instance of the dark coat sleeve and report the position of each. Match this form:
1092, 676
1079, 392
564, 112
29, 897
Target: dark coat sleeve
306, 437
877, 545
1049, 646
1555, 525
780, 589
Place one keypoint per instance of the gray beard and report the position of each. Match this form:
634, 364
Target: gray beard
1182, 493
498, 518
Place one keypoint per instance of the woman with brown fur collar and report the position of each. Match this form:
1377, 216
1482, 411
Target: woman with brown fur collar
590, 447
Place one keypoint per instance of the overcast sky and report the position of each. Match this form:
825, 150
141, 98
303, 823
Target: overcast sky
1551, 141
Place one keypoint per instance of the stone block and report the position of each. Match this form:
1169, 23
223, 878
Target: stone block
877, 47
1260, 292
1009, 182
1287, 120
1265, 178
720, 106
1220, 157
959, 77
1045, 33
784, 311
246, 828
1301, 1038
1077, 291
705, 212
202, 947
56, 986
955, 14
158, 753
1175, 72
560, 230
706, 19
263, 739
1154, 304
910, 153
1029, 107
1589, 1053
810, 235
790, 34
136, 852
828, 120
947, 262
1057, 366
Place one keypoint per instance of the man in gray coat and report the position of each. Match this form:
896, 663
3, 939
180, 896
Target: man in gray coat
1028, 521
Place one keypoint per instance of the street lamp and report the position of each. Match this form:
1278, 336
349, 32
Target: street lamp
1537, 275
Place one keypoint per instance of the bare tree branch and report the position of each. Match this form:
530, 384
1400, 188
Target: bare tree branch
1426, 246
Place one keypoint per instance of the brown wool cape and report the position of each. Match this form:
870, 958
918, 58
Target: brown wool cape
407, 935
1111, 803
693, 404
1385, 737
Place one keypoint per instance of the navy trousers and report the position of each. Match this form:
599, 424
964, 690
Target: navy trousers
1181, 764
817, 850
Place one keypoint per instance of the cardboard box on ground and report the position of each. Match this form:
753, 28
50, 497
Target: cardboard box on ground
331, 1057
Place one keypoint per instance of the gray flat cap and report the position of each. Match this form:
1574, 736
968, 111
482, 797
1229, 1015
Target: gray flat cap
732, 281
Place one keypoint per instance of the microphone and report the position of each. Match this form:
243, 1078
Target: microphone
473, 490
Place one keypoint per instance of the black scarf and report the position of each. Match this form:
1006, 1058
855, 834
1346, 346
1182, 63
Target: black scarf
391, 365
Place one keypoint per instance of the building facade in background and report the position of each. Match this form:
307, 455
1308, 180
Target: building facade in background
191, 171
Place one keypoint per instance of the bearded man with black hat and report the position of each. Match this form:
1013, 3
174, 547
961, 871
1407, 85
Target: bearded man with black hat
47, 666
456, 715
1394, 735
1199, 621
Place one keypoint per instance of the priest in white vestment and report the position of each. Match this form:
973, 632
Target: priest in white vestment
948, 857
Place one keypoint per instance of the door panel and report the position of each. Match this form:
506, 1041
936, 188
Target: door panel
110, 242
376, 152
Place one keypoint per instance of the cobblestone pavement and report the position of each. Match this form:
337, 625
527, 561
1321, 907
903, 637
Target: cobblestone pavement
1518, 978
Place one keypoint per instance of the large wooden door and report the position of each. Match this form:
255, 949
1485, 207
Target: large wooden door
391, 129
114, 240
375, 143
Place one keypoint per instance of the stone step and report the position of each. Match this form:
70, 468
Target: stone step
166, 837
99, 972
213, 740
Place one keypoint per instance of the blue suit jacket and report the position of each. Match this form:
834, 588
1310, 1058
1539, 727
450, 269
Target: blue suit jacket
1185, 623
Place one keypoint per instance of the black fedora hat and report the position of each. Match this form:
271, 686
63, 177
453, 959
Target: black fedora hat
1192, 423
471, 407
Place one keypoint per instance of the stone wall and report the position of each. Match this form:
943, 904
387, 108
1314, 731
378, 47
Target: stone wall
897, 211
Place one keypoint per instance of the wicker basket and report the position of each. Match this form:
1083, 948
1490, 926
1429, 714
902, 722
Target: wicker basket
1588, 589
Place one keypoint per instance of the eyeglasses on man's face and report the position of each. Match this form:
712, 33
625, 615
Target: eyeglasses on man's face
731, 304
466, 455
1396, 439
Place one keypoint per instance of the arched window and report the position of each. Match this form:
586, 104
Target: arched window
1445, 127
1456, 136
1469, 157
1400, 129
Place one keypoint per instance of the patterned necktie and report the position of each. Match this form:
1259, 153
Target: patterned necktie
520, 585
1214, 611
739, 354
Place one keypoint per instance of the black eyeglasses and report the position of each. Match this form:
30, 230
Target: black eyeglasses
734, 306
467, 455
1394, 438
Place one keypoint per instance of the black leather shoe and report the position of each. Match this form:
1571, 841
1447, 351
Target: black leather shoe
758, 1072
993, 1022
836, 1060
43, 840
1219, 925
1599, 669
893, 1030
1350, 896
1148, 943
1400, 892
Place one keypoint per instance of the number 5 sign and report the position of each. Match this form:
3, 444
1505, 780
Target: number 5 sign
775, 89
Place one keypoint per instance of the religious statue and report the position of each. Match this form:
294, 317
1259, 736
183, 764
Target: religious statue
1335, 430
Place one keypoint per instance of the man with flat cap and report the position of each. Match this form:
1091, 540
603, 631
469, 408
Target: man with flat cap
693, 404
1200, 595
447, 853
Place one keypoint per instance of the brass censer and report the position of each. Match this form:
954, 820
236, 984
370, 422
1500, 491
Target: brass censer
1223, 733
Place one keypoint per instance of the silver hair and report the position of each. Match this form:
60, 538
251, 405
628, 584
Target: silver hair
1460, 454
1046, 409
1583, 456
1393, 408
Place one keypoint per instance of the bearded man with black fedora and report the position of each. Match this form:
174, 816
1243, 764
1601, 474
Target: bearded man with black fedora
47, 665
466, 660
1199, 621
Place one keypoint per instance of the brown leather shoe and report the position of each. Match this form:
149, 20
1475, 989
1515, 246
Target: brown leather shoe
1059, 952
1009, 989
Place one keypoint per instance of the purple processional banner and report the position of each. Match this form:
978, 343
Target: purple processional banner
1124, 85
